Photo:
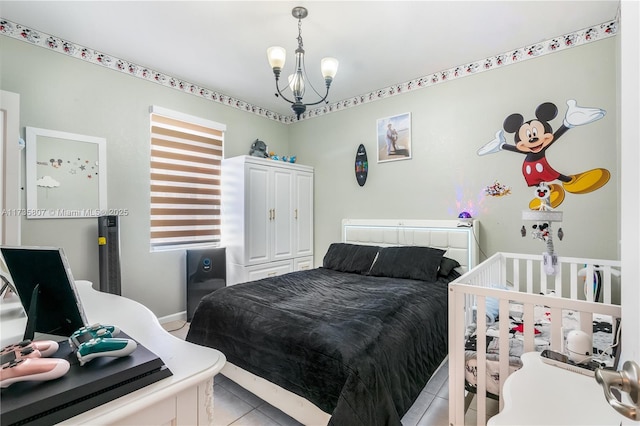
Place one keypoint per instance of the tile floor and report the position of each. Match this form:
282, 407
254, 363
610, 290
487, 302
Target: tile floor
235, 406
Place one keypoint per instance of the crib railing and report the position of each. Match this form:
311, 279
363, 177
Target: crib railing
524, 275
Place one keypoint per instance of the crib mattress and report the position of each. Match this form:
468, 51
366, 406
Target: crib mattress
602, 341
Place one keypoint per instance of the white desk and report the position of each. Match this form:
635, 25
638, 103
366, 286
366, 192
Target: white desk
541, 394
185, 398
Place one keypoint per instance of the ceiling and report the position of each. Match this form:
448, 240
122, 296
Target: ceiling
221, 45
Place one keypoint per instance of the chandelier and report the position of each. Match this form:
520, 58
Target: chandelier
297, 81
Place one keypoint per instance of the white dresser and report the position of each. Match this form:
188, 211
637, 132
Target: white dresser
185, 398
267, 217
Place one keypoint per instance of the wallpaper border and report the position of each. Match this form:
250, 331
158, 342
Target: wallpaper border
563, 42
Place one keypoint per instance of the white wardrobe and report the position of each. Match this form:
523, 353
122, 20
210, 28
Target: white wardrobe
267, 217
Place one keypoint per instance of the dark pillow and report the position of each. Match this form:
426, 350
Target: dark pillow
447, 265
354, 258
413, 262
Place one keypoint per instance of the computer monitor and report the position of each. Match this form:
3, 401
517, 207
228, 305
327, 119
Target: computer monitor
42, 277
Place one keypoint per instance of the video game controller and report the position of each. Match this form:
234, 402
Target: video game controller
104, 346
32, 349
40, 369
84, 334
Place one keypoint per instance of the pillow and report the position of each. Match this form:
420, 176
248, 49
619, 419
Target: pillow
354, 258
412, 262
492, 308
492, 305
447, 265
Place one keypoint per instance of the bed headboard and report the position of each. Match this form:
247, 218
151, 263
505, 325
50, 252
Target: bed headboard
460, 243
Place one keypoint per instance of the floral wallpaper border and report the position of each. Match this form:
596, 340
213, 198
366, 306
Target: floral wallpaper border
577, 38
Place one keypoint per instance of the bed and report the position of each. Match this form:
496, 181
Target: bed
507, 306
354, 341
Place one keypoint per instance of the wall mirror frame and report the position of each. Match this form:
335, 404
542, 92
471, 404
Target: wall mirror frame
66, 175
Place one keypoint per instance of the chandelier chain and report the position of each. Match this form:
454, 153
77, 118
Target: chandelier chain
300, 33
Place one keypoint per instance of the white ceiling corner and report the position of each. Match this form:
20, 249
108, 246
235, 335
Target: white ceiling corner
220, 46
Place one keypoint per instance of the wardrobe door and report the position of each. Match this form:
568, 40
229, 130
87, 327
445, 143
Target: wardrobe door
282, 222
258, 211
303, 214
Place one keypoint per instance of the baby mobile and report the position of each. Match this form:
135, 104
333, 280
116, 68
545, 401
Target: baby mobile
532, 138
544, 217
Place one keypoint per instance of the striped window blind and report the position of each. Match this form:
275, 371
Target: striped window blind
186, 156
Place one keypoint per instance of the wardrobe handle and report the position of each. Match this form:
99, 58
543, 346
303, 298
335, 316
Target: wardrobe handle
295, 213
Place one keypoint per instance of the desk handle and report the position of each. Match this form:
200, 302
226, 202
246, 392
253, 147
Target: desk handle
627, 380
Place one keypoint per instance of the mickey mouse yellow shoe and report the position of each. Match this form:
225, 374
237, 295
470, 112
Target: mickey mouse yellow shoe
556, 197
588, 181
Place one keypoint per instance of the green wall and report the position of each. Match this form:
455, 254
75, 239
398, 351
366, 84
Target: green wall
450, 121
66, 94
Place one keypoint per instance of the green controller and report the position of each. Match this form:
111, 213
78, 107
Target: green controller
105, 346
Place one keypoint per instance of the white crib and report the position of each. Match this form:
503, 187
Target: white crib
529, 287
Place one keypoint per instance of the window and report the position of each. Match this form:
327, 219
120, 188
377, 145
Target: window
186, 157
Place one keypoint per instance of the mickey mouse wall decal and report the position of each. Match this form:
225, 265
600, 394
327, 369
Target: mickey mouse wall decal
532, 138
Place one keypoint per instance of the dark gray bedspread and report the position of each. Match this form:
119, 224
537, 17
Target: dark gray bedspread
361, 348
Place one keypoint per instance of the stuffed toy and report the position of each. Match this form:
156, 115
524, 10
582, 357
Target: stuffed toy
258, 149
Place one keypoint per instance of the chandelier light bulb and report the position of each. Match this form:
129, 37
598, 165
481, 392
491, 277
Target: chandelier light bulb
277, 56
296, 85
329, 67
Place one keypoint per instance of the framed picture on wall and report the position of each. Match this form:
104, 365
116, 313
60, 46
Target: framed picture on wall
66, 175
394, 137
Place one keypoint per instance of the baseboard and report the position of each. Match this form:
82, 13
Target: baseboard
178, 316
